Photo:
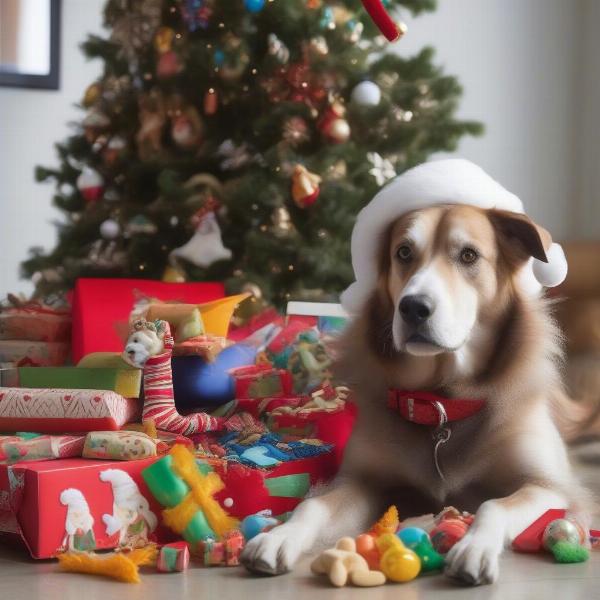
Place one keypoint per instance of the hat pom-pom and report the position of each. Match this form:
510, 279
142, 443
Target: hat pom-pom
553, 272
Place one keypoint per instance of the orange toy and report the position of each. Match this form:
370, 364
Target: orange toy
388, 523
366, 546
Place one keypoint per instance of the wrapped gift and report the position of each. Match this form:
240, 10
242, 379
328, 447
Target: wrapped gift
261, 381
173, 557
224, 553
100, 305
34, 322
18, 448
76, 504
41, 354
118, 445
63, 410
124, 381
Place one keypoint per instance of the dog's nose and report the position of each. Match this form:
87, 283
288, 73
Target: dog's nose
416, 309
131, 353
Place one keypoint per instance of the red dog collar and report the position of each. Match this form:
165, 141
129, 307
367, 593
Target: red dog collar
425, 408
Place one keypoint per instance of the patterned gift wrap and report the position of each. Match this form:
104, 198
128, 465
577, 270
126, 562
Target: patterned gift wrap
18, 448
40, 354
64, 410
119, 445
34, 325
261, 381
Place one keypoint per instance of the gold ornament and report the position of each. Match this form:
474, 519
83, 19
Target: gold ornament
174, 274
282, 222
339, 130
92, 94
163, 40
305, 186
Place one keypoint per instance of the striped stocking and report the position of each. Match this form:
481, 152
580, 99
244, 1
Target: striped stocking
159, 401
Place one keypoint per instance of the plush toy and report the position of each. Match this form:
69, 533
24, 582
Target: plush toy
150, 346
188, 495
342, 564
565, 539
397, 562
388, 523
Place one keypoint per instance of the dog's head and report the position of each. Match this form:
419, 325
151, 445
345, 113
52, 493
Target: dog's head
146, 339
446, 270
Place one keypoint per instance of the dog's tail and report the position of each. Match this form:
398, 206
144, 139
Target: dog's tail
577, 420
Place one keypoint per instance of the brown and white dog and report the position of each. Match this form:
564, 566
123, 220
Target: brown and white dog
449, 314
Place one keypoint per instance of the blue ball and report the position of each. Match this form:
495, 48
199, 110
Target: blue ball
254, 6
412, 536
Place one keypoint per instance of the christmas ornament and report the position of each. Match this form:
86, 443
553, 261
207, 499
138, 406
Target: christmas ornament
327, 20
187, 126
232, 59
152, 117
305, 186
196, 13
317, 47
366, 93
94, 123
338, 170
115, 149
99, 143
174, 274
333, 125
203, 190
104, 255
295, 131
110, 229
113, 87
163, 39
254, 6
168, 65
278, 49
384, 22
92, 94
133, 27
211, 101
206, 245
90, 184
354, 30
111, 195
562, 530
140, 225
382, 170
234, 157
282, 222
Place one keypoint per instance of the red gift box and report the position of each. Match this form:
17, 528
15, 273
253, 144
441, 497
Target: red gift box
73, 504
261, 381
100, 304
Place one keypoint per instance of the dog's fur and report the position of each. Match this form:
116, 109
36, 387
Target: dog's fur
487, 339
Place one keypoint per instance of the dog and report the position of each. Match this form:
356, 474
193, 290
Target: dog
448, 313
146, 339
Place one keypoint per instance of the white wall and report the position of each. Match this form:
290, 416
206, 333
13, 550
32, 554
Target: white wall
31, 122
519, 62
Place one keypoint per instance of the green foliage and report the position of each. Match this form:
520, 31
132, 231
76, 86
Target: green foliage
287, 250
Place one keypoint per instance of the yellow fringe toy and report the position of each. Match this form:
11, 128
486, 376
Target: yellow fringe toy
123, 566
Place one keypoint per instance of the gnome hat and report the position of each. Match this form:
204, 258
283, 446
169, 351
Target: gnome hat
78, 511
450, 181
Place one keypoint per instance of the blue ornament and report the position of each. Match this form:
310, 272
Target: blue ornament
412, 536
254, 6
219, 57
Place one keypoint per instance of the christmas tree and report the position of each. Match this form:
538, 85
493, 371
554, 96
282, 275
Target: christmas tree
236, 140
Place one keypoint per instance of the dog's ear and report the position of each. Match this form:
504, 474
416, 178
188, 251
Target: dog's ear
519, 237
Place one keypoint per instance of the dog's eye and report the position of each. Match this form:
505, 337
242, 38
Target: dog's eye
468, 256
404, 253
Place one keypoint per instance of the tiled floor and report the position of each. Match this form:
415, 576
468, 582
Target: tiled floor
522, 577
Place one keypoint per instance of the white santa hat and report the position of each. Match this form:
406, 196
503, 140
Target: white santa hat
450, 181
75, 502
127, 495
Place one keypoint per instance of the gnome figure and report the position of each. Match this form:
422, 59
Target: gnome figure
132, 517
79, 524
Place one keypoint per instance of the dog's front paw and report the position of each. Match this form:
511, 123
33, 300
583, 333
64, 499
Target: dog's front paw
475, 560
272, 553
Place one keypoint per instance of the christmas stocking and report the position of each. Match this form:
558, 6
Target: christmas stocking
159, 401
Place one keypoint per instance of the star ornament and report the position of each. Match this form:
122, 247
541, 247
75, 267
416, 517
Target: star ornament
382, 170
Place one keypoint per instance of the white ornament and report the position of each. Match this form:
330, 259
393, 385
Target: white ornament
110, 229
383, 170
366, 93
205, 247
90, 183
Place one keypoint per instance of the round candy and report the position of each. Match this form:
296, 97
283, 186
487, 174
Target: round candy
411, 536
254, 6
400, 564
366, 93
562, 530
447, 533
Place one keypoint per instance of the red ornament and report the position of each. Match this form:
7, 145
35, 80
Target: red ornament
333, 124
168, 65
90, 184
305, 186
382, 19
